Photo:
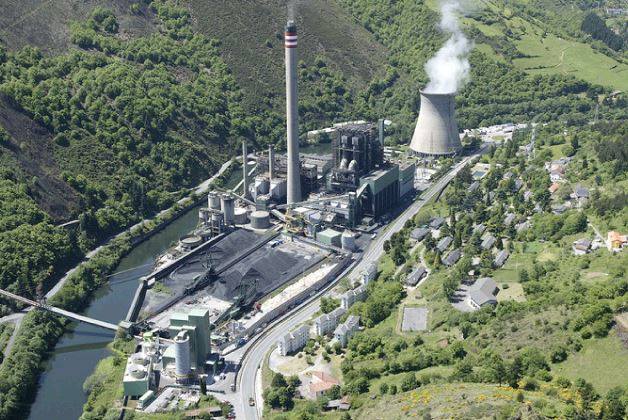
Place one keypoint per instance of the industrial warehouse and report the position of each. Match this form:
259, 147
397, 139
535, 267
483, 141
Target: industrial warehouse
291, 227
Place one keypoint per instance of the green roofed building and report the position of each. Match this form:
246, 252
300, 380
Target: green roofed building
379, 191
329, 237
196, 323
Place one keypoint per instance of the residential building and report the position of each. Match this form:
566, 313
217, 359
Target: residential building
616, 241
418, 234
452, 257
416, 275
370, 273
321, 382
488, 242
437, 222
581, 246
518, 184
527, 195
351, 296
327, 322
509, 219
581, 195
479, 229
520, 227
474, 186
483, 292
501, 258
554, 187
294, 340
345, 331
444, 243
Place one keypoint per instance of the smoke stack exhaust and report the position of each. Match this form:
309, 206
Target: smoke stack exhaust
436, 131
245, 169
292, 123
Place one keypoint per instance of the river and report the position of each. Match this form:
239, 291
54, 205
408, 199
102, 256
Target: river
60, 394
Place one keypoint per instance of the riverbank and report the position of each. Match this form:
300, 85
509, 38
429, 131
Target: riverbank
40, 332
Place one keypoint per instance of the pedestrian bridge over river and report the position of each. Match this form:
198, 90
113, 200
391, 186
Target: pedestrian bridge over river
59, 311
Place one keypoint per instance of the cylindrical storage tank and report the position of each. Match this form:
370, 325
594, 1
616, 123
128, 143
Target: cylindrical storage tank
260, 219
436, 131
140, 359
137, 371
191, 241
182, 366
227, 205
203, 215
347, 240
262, 185
217, 217
241, 216
213, 201
262, 202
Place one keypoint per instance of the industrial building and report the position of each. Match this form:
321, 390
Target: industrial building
193, 327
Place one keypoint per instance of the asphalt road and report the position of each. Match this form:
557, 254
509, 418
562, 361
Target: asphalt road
247, 378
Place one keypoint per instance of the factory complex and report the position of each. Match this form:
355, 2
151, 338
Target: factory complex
292, 227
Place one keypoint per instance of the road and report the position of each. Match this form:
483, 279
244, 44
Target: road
252, 359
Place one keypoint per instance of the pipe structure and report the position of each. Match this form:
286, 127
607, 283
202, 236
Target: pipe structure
245, 175
292, 123
271, 162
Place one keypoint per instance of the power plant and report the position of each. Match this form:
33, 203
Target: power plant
292, 114
436, 132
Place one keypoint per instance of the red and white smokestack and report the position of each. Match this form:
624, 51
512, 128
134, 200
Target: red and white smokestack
292, 118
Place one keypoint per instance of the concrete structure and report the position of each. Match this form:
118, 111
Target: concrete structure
348, 298
292, 115
326, 323
260, 219
245, 172
415, 276
347, 240
406, 178
294, 340
345, 331
329, 237
483, 292
145, 399
414, 319
271, 161
196, 325
379, 191
182, 364
227, 206
436, 131
137, 375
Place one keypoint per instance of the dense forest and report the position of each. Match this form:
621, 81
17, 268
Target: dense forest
596, 27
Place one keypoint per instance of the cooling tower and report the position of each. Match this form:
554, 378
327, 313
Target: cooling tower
292, 123
436, 131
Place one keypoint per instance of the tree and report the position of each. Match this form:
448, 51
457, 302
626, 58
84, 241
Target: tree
278, 381
203, 384
613, 407
328, 304
392, 390
409, 382
383, 388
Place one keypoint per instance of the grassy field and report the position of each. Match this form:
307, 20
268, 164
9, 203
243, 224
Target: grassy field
603, 362
454, 401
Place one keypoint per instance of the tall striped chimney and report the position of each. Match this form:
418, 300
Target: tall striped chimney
245, 170
292, 119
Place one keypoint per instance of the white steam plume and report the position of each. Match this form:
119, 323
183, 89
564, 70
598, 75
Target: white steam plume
448, 70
